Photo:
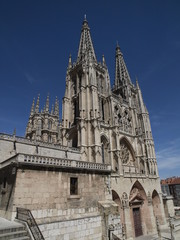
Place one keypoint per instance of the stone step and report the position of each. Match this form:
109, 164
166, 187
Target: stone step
22, 238
14, 235
12, 229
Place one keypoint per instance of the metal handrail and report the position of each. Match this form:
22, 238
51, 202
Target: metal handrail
25, 215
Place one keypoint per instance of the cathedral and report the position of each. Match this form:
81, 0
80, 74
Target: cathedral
92, 174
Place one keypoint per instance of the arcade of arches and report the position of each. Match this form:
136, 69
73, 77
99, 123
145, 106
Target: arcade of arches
138, 210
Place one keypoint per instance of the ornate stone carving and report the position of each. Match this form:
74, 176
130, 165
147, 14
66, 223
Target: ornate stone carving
126, 155
134, 193
149, 198
123, 119
125, 202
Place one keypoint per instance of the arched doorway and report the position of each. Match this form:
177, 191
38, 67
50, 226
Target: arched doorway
140, 215
157, 206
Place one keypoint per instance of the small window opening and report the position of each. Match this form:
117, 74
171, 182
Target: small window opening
73, 186
14, 145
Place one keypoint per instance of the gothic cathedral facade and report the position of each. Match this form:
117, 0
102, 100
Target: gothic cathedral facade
94, 173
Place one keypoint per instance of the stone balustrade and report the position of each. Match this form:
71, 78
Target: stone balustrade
62, 163
138, 175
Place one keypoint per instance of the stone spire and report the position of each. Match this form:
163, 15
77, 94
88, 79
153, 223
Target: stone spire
142, 106
56, 107
37, 104
86, 49
32, 108
70, 62
47, 104
103, 60
122, 77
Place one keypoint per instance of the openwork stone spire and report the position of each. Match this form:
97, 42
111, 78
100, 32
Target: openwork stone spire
122, 77
86, 49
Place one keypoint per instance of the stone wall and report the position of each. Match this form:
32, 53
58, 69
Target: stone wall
77, 229
47, 194
10, 146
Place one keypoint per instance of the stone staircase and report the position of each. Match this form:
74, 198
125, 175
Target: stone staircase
12, 231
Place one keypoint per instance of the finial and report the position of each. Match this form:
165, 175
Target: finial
56, 107
37, 104
70, 62
85, 22
137, 84
47, 103
118, 50
117, 45
103, 60
32, 108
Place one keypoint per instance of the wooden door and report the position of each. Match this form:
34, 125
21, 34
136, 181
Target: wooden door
137, 222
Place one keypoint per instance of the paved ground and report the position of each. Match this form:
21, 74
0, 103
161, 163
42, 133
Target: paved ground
165, 235
8, 224
150, 237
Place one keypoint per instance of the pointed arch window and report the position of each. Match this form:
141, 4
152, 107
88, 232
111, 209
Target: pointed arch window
127, 154
104, 150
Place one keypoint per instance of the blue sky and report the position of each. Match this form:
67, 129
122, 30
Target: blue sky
36, 38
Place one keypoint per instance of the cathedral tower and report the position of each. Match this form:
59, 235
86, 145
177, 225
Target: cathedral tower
85, 104
44, 125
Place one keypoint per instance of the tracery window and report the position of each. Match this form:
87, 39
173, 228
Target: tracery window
127, 157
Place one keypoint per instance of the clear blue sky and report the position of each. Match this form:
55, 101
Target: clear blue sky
36, 38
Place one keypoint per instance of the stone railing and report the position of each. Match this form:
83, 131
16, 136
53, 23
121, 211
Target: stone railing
134, 175
35, 142
61, 163
138, 174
